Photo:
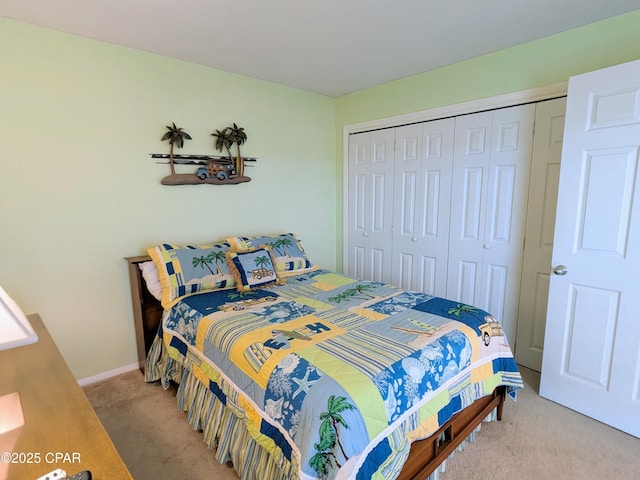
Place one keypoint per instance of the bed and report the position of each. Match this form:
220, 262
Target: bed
293, 371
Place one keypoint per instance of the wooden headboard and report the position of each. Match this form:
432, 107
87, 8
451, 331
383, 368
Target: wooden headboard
147, 310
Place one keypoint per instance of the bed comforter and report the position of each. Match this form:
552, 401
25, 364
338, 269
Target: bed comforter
333, 376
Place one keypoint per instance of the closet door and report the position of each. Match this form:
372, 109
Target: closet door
491, 163
541, 217
422, 191
370, 205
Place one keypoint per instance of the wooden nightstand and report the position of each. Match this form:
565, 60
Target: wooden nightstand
61, 429
147, 310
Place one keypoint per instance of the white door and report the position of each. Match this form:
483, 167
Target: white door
591, 360
541, 217
492, 155
422, 195
370, 177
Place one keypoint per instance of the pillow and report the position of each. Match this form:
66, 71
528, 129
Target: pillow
151, 278
288, 254
253, 269
187, 269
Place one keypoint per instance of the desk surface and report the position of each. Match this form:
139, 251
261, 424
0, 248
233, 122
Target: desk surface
61, 429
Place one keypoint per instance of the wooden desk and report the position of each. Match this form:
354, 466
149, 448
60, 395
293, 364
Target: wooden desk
61, 429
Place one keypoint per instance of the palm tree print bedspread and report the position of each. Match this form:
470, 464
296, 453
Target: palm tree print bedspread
334, 368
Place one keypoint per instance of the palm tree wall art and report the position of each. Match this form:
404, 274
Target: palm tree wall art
176, 136
210, 169
238, 136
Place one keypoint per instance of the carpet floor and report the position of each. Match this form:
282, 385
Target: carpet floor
537, 439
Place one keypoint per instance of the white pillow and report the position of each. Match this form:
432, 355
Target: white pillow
151, 278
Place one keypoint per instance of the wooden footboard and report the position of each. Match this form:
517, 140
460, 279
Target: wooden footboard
425, 456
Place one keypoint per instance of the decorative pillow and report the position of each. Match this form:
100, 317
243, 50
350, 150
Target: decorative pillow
187, 269
252, 269
151, 278
288, 254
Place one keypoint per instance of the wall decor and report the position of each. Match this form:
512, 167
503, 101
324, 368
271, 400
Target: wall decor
210, 169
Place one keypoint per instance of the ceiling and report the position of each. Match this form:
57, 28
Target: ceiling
332, 47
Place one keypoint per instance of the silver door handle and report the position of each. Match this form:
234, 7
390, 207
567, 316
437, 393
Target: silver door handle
560, 270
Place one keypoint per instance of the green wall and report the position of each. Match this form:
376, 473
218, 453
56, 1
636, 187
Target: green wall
78, 190
539, 63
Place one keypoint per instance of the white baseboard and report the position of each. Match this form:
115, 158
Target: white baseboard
106, 375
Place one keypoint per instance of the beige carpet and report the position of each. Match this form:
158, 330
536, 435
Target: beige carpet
536, 439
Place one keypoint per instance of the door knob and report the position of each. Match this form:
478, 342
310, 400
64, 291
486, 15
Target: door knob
365, 234
560, 270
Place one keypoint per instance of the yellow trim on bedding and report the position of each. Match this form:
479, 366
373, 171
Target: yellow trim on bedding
258, 352
160, 257
482, 373
472, 335
368, 313
317, 305
331, 281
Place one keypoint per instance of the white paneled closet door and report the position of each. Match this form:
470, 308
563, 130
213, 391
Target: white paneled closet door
492, 154
541, 217
370, 203
422, 196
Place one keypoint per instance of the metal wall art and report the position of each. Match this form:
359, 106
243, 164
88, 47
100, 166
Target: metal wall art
211, 169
